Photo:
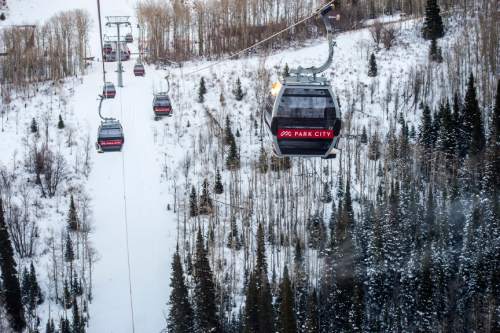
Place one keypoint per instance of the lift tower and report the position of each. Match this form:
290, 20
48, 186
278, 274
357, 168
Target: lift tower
118, 21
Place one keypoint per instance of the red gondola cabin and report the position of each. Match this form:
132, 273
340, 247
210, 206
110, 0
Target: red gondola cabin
161, 105
110, 136
109, 90
139, 70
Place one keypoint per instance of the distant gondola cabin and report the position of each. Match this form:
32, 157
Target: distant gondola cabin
107, 48
139, 69
110, 136
109, 90
162, 105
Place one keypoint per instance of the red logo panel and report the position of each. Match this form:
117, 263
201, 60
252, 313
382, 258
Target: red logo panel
162, 110
110, 142
304, 133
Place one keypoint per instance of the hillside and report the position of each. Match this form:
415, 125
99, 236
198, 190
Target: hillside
398, 233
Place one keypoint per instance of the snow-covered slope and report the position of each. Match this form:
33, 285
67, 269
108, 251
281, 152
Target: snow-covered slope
134, 232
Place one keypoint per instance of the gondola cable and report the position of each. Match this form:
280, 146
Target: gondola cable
319, 10
102, 97
125, 215
303, 115
100, 38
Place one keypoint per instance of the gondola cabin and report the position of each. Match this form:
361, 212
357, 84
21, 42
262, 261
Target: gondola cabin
125, 54
129, 38
110, 136
110, 57
107, 48
162, 105
303, 118
109, 90
139, 69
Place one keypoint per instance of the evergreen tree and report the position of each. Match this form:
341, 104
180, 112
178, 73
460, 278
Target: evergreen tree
263, 162
495, 121
237, 91
312, 319
76, 287
425, 305
280, 163
348, 285
287, 321
364, 136
372, 67
436, 124
426, 134
34, 126
180, 316
261, 262
193, 203
332, 225
202, 90
64, 326
446, 138
36, 291
222, 99
206, 205
413, 133
69, 254
233, 239
433, 24
317, 233
473, 121
50, 327
30, 290
25, 287
251, 316
458, 120
375, 279
60, 123
2, 17
218, 187
228, 133
10, 283
78, 325
327, 295
205, 311
374, 147
340, 186
72, 216
492, 165
67, 299
264, 298
233, 157
435, 53
327, 194
286, 71
300, 286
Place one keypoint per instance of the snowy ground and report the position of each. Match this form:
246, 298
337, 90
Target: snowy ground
126, 187
130, 190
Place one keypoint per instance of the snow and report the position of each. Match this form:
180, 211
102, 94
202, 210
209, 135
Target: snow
133, 231
127, 187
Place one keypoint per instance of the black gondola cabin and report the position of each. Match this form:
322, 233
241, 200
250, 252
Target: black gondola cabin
303, 118
107, 48
110, 136
109, 91
139, 69
162, 105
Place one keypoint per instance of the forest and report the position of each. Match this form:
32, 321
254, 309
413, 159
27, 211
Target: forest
399, 233
403, 238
